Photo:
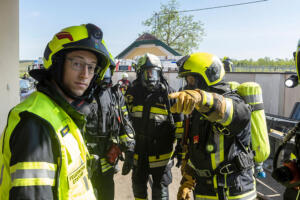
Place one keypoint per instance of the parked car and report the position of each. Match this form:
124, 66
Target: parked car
26, 88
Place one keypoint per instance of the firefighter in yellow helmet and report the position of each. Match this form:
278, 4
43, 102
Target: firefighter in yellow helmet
219, 160
288, 174
43, 155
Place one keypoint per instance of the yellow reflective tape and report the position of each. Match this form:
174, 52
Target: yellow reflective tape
158, 163
179, 124
33, 165
228, 113
248, 195
158, 111
106, 168
178, 135
33, 182
204, 197
161, 157
179, 130
123, 107
137, 114
221, 147
139, 199
136, 156
126, 113
123, 137
137, 108
210, 100
215, 182
204, 98
293, 156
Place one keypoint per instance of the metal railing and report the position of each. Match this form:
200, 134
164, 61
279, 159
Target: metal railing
263, 69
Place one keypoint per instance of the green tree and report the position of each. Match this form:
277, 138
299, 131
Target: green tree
178, 31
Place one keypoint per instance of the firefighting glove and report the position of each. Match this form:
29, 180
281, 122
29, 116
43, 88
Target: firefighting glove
128, 162
203, 101
187, 185
186, 101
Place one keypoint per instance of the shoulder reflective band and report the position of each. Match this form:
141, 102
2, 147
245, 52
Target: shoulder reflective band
259, 106
33, 173
255, 98
228, 112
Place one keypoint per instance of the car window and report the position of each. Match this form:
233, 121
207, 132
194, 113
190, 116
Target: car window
24, 84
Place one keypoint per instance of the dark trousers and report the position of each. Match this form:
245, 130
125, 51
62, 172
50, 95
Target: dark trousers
161, 177
104, 184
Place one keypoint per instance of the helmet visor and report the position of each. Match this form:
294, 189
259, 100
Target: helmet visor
150, 75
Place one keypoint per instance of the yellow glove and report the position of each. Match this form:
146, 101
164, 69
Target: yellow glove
186, 101
184, 191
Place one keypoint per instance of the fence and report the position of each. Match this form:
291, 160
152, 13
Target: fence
263, 69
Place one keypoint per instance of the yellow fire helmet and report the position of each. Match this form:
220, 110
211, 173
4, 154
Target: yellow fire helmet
84, 37
207, 65
297, 60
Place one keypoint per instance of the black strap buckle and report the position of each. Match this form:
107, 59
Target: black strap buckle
203, 173
227, 169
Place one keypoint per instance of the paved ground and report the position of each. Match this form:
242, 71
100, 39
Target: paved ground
124, 191
269, 187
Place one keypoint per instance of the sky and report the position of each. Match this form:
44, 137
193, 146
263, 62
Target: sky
266, 29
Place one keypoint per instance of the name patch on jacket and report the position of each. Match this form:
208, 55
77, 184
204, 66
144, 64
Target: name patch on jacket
76, 175
65, 130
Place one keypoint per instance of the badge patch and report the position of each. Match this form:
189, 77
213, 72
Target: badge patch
65, 131
196, 139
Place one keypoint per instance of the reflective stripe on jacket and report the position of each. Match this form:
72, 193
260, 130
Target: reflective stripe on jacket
69, 176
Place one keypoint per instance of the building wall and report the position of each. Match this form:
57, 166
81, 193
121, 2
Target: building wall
278, 99
142, 50
9, 58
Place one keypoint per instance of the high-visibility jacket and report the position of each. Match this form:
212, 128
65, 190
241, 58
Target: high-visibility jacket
155, 133
66, 174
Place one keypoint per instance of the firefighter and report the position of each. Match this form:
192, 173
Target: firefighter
124, 82
43, 155
288, 174
220, 162
227, 64
155, 127
108, 133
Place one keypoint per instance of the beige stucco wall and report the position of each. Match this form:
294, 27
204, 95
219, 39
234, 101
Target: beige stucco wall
9, 57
